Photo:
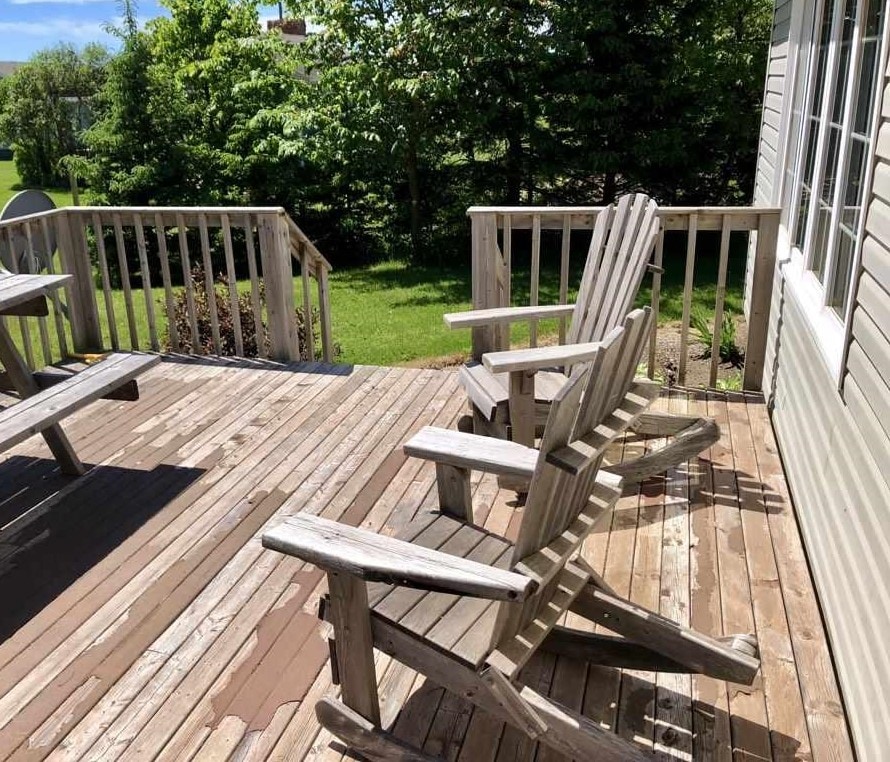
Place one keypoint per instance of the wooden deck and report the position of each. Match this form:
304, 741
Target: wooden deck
142, 619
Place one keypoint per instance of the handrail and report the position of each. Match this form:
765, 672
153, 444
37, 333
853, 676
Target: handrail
139, 248
492, 266
301, 237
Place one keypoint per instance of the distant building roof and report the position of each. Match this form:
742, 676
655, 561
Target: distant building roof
292, 30
8, 67
288, 26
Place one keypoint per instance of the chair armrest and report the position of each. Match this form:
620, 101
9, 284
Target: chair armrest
337, 547
487, 454
506, 315
536, 358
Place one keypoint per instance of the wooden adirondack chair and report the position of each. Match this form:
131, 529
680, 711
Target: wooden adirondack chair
510, 391
468, 608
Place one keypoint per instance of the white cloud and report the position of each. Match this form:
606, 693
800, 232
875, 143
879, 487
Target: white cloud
62, 29
55, 2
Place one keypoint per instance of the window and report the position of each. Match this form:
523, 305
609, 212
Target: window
830, 134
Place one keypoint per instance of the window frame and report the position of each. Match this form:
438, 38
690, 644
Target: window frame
831, 331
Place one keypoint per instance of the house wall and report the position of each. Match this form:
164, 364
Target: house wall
835, 443
767, 175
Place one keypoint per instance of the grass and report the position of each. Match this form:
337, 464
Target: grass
392, 312
10, 184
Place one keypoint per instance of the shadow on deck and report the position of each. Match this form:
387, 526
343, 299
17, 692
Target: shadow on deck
142, 618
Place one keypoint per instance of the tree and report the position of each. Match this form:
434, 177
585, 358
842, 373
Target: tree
385, 83
178, 117
659, 96
422, 107
398, 114
45, 106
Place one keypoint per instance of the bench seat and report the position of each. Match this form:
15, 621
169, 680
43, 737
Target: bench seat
49, 406
56, 374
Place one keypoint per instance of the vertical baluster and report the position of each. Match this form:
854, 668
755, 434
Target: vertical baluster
187, 282
687, 295
24, 328
656, 300
169, 301
535, 277
721, 297
324, 313
41, 319
208, 282
58, 317
508, 276
233, 284
564, 271
106, 281
508, 258
255, 301
125, 279
309, 355
146, 283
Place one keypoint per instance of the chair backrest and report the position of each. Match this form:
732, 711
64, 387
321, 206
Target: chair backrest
623, 238
557, 496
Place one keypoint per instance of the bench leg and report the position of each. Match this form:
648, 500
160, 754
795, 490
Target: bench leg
24, 383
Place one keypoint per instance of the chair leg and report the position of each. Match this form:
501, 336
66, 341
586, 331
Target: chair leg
351, 617
455, 496
522, 407
369, 740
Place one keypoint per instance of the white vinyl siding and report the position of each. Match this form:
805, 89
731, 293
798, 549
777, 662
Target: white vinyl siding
835, 437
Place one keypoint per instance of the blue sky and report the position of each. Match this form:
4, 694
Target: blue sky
27, 26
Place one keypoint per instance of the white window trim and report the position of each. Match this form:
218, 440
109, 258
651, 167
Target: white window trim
826, 326
831, 333
867, 180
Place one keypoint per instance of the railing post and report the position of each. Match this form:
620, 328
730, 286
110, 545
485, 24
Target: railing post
279, 287
83, 311
484, 278
761, 298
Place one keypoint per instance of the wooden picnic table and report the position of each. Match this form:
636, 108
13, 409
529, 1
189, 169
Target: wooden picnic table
41, 409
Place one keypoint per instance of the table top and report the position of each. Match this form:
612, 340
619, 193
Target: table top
17, 289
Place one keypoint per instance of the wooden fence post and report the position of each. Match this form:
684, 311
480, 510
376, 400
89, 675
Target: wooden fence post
279, 287
484, 279
83, 311
761, 299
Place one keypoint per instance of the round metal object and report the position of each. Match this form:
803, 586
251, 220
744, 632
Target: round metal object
21, 258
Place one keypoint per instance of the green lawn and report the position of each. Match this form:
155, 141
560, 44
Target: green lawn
392, 312
10, 184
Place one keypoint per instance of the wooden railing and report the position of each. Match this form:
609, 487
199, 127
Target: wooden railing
144, 278
494, 239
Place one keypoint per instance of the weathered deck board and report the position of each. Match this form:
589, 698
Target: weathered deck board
142, 619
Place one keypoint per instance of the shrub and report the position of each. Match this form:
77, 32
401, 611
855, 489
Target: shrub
226, 321
730, 351
732, 383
